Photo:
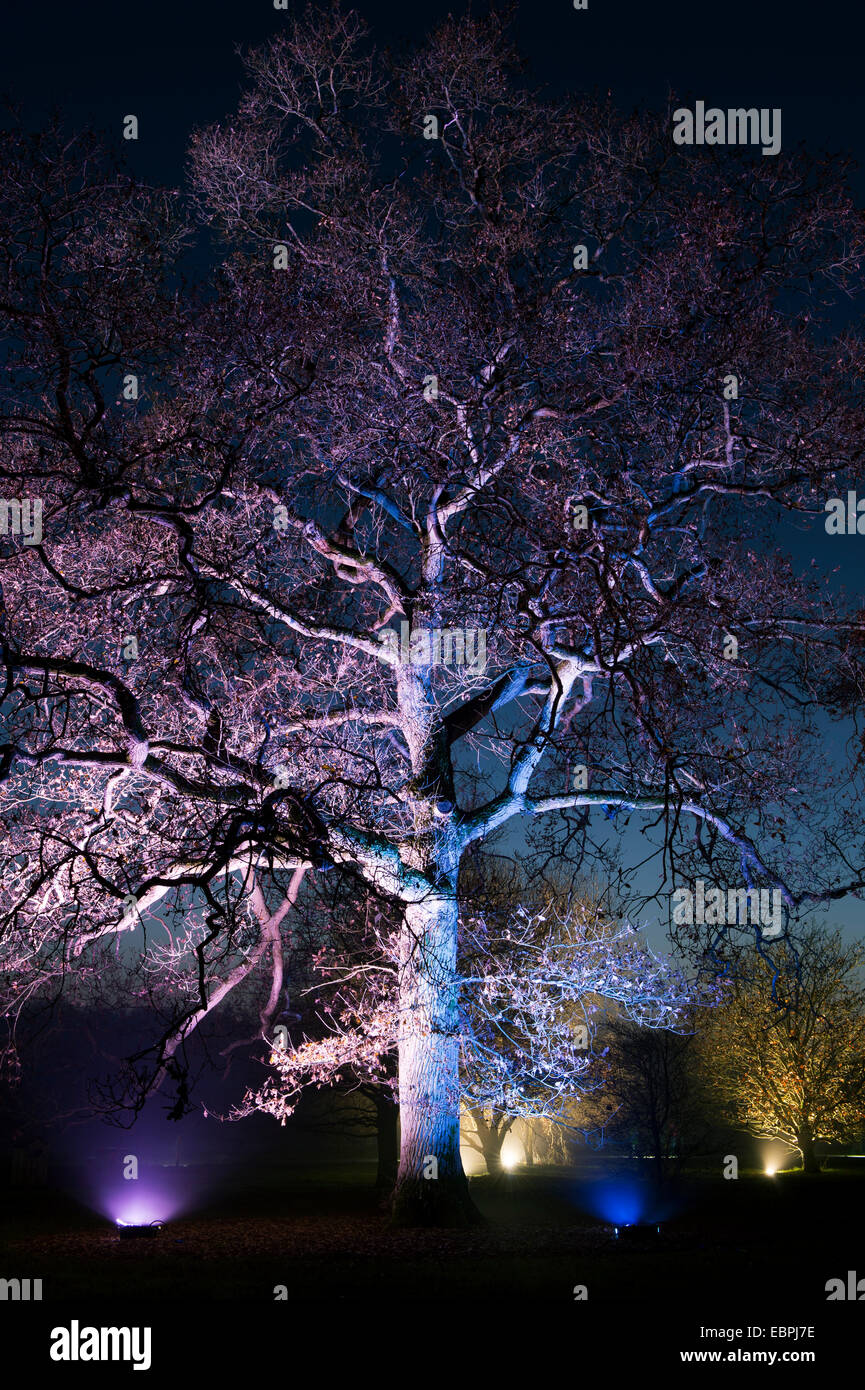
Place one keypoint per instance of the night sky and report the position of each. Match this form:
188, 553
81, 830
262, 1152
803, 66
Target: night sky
174, 64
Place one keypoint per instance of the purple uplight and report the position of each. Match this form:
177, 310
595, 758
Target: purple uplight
126, 1230
127, 1188
139, 1203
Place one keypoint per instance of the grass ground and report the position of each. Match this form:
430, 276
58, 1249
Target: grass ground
322, 1234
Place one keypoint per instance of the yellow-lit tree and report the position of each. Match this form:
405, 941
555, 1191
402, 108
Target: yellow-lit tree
486, 1135
789, 1063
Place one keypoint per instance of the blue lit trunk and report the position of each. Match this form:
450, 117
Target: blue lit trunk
431, 1188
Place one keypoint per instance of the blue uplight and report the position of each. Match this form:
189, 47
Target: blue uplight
619, 1201
628, 1202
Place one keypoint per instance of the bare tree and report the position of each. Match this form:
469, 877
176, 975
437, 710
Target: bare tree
443, 507
653, 1097
487, 1134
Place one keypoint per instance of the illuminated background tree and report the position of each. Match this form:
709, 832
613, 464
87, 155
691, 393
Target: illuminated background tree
786, 1055
465, 358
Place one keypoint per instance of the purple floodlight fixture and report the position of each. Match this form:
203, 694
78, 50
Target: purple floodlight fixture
128, 1230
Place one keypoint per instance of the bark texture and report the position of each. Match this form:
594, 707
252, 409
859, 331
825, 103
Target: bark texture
431, 1187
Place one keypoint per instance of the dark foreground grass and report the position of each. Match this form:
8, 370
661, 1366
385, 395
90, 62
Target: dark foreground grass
323, 1236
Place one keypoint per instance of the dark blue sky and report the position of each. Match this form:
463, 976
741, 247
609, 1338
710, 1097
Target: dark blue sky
173, 64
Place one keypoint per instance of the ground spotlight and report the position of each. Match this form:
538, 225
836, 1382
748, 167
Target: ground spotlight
631, 1231
129, 1231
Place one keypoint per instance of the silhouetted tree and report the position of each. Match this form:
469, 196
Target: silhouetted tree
653, 1098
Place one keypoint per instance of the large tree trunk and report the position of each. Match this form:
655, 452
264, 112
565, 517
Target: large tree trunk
431, 1188
810, 1161
493, 1156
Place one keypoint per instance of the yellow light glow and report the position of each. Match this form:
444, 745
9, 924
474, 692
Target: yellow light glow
771, 1170
473, 1164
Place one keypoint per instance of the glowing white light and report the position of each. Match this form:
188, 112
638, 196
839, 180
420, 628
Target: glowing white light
774, 1156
